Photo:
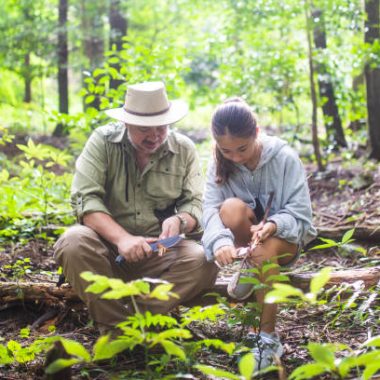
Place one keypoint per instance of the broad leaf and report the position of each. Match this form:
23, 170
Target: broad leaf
173, 349
319, 280
61, 364
219, 373
247, 366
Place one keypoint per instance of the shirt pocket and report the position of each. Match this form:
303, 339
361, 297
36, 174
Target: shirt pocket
164, 186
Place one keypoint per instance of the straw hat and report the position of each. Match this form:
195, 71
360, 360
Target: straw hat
147, 105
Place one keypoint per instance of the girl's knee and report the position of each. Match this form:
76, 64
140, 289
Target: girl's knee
233, 212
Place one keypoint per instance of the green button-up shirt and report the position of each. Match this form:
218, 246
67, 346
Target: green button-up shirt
107, 180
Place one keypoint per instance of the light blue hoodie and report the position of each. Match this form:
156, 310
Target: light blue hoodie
279, 170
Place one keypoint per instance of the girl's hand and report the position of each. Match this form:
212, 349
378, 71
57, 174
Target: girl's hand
263, 231
225, 255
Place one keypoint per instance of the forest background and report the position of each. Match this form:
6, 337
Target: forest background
310, 70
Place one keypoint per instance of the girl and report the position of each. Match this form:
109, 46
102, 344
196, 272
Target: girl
247, 167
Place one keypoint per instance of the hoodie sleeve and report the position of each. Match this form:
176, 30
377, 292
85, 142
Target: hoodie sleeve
294, 217
215, 234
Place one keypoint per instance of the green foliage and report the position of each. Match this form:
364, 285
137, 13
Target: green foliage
19, 269
326, 361
329, 243
35, 196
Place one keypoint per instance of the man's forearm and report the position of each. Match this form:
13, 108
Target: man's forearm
106, 227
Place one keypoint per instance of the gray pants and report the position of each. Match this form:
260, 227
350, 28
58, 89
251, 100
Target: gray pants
81, 249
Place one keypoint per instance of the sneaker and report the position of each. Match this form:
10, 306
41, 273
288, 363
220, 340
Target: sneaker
240, 291
265, 347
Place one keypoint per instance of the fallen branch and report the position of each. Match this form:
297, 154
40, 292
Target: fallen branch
50, 295
361, 233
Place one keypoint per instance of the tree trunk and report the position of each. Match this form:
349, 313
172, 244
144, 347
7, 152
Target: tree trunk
63, 81
372, 75
93, 39
330, 110
314, 122
118, 29
27, 79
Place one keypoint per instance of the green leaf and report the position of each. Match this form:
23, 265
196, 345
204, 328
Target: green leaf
322, 354
307, 371
104, 349
14, 346
324, 246
320, 280
277, 278
219, 344
162, 292
174, 334
219, 373
5, 358
348, 235
247, 366
371, 369
173, 349
373, 342
61, 364
76, 349
269, 266
89, 99
283, 293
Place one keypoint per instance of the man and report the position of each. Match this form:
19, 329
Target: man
135, 180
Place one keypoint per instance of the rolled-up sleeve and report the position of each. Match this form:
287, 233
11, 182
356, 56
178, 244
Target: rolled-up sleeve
88, 187
294, 217
215, 233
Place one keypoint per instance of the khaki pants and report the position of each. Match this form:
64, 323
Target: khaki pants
81, 249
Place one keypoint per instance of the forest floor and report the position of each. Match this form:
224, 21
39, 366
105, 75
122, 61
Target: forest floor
342, 199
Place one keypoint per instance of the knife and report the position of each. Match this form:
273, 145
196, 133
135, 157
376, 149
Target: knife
156, 245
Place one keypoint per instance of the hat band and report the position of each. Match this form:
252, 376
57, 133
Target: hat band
147, 114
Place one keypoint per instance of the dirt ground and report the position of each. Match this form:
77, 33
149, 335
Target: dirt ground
342, 199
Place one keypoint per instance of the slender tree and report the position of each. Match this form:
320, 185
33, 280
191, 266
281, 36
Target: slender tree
118, 29
92, 14
372, 75
314, 122
332, 120
62, 51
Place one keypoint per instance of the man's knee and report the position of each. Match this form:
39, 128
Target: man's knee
232, 212
70, 243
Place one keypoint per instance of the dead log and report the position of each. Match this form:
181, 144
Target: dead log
50, 295
371, 233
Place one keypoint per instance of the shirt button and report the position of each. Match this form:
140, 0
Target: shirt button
151, 162
138, 212
138, 185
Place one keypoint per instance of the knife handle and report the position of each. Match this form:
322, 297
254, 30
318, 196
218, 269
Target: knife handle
119, 260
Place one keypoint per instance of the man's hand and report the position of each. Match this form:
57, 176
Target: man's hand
134, 248
263, 231
170, 227
225, 255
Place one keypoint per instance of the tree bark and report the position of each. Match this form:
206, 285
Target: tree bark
372, 74
93, 39
27, 79
314, 122
63, 81
333, 122
118, 29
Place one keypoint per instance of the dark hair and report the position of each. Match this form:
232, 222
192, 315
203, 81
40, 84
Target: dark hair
233, 117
